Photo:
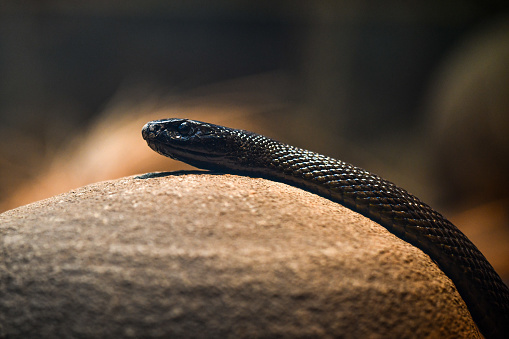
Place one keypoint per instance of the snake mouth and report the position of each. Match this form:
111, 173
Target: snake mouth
180, 153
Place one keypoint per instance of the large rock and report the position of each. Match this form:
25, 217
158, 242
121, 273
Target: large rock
204, 255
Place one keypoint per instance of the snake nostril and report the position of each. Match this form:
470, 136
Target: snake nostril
144, 132
150, 130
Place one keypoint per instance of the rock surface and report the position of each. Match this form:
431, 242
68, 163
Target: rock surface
194, 254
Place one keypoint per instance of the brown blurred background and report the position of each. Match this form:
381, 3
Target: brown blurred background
417, 92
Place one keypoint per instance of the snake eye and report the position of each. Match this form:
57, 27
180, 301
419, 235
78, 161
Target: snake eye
185, 128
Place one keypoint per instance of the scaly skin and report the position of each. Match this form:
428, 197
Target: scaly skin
229, 150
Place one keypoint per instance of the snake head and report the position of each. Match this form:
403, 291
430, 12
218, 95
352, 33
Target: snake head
197, 143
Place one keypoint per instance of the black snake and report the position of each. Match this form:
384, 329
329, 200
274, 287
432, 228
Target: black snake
241, 152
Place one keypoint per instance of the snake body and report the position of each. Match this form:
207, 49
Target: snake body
241, 152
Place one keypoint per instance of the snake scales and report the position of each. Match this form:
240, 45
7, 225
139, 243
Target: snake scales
230, 150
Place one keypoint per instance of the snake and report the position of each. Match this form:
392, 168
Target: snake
234, 151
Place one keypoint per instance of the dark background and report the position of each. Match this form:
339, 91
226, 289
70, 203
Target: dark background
62, 61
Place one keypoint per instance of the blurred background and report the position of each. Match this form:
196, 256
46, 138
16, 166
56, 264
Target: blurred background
417, 92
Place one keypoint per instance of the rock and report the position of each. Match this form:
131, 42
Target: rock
195, 254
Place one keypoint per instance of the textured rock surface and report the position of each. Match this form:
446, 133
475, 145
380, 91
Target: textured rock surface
204, 255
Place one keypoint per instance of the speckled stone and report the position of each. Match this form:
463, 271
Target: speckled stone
194, 254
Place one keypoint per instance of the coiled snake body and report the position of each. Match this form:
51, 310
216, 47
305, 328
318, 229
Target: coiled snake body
235, 151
